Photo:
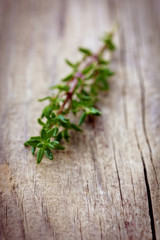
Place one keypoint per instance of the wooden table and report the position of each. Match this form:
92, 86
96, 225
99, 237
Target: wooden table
105, 185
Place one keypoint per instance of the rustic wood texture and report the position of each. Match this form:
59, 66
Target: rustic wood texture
105, 185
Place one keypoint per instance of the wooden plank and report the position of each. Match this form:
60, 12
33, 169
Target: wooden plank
105, 185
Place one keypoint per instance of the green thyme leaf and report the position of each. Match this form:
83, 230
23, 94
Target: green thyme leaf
46, 111
59, 147
93, 111
48, 154
36, 138
86, 51
68, 78
87, 69
103, 61
52, 132
55, 131
82, 118
72, 65
44, 134
50, 145
108, 40
66, 135
33, 149
54, 143
31, 143
40, 122
62, 119
75, 127
60, 87
40, 145
43, 99
40, 155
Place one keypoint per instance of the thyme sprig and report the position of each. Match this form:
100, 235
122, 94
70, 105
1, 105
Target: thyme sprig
78, 92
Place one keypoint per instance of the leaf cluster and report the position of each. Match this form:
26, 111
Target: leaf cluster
77, 93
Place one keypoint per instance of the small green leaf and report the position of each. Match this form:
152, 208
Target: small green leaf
66, 135
59, 147
61, 87
88, 69
36, 138
81, 104
82, 118
75, 127
26, 144
105, 72
48, 154
55, 132
68, 78
93, 111
54, 143
93, 90
59, 137
33, 149
69, 63
40, 145
31, 143
83, 97
50, 132
62, 118
50, 145
108, 40
103, 85
43, 99
72, 65
40, 155
47, 111
102, 61
90, 75
86, 51
44, 134
53, 115
40, 122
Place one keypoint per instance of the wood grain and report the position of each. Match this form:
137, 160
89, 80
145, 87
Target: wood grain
105, 185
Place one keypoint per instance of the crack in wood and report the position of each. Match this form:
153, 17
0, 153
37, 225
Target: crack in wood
117, 171
148, 190
134, 195
81, 230
143, 109
100, 224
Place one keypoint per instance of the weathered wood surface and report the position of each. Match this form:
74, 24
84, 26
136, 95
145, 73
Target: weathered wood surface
106, 184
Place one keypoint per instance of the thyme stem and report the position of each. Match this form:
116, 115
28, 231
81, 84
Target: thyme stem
74, 81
